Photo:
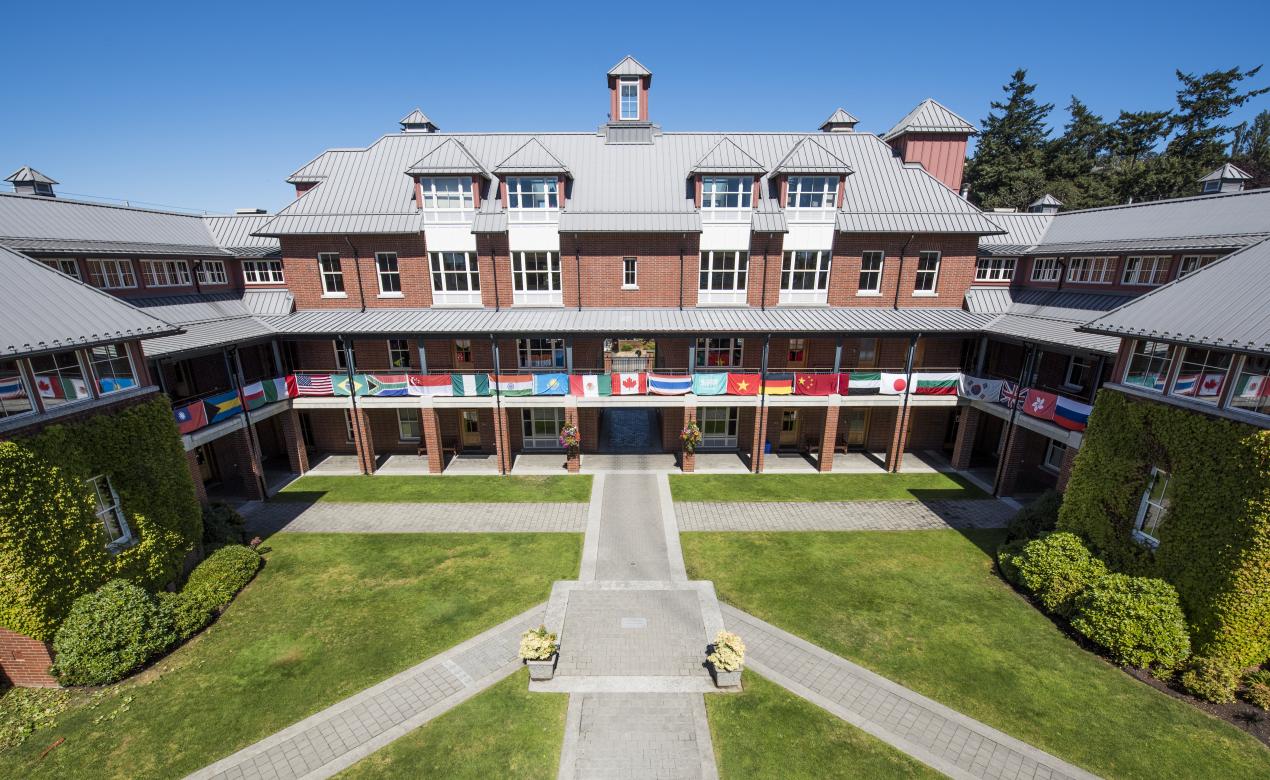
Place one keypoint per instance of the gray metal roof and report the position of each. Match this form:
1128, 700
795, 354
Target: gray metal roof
839, 117
930, 116
1053, 333
450, 157
28, 174
416, 117
1045, 200
1227, 172
490, 222
909, 222
626, 221
989, 300
42, 310
1022, 232
270, 303
629, 66
236, 235
1048, 317
214, 320
213, 334
727, 157
1070, 305
184, 309
769, 218
531, 157
1224, 304
807, 156
38, 224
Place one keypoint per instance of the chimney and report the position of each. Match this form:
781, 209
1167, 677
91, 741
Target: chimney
28, 181
417, 122
934, 137
629, 82
839, 122
1046, 204
1228, 178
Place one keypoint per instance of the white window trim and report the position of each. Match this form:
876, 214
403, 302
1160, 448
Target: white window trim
1139, 532
165, 273
535, 441
1045, 269
1134, 277
826, 212
726, 296
552, 296
544, 213
64, 265
745, 200
391, 349
817, 295
555, 347
634, 267
881, 258
446, 297
113, 508
379, 275
340, 354
211, 273
430, 201
1171, 354
933, 292
621, 108
327, 292
85, 376
995, 269
95, 384
1071, 364
401, 425
272, 269
1052, 447
1201, 262
1081, 270
117, 266
27, 388
734, 348
729, 416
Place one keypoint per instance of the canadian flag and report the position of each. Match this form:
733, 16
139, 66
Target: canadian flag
630, 384
1211, 384
49, 388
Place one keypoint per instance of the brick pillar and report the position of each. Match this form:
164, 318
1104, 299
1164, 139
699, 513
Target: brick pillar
827, 440
572, 460
293, 438
502, 441
25, 661
245, 463
688, 460
363, 441
1065, 471
1010, 462
196, 475
899, 439
760, 438
431, 424
608, 362
967, 428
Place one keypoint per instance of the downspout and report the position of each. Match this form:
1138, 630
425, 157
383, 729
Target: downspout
681, 272
493, 261
762, 296
1024, 370
500, 422
357, 270
900, 276
908, 377
577, 266
762, 396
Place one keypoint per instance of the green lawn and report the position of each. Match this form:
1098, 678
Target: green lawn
925, 609
329, 615
766, 731
439, 489
820, 487
505, 731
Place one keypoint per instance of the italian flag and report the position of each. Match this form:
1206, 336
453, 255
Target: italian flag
930, 383
513, 384
591, 385
630, 384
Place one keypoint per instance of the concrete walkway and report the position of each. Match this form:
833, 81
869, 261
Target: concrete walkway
842, 515
330, 517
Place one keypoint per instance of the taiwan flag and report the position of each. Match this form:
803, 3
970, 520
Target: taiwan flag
191, 417
816, 384
630, 384
1040, 404
743, 384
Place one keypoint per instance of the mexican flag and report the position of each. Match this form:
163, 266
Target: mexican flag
860, 383
932, 383
429, 384
893, 384
469, 384
1253, 386
275, 389
513, 384
630, 384
591, 385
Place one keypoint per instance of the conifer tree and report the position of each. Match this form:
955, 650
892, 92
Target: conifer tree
1008, 168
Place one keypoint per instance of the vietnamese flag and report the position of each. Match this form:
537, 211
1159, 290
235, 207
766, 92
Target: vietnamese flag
1040, 404
815, 384
743, 384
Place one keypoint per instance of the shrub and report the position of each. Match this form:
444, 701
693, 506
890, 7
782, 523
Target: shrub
1211, 679
188, 615
1036, 519
222, 525
1057, 567
538, 644
109, 633
216, 580
1007, 562
729, 652
1136, 619
1257, 688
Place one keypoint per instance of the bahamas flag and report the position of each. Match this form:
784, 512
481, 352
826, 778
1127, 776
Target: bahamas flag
709, 384
223, 406
551, 384
361, 385
388, 385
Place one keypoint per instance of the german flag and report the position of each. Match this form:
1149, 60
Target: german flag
778, 384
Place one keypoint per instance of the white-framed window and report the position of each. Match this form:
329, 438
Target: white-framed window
211, 272
1202, 375
536, 279
111, 274
1211, 186
1252, 386
927, 280
540, 353
533, 192
726, 198
796, 354
262, 272
994, 269
165, 273
112, 367
871, 273
408, 426
1054, 454
1045, 269
1092, 270
719, 353
1146, 270
341, 356
1192, 263
805, 277
66, 265
389, 274
60, 378
15, 396
109, 512
628, 99
811, 198
455, 279
1152, 507
1149, 364
718, 426
541, 427
723, 277
1079, 373
446, 199
348, 425
332, 275
399, 352
630, 276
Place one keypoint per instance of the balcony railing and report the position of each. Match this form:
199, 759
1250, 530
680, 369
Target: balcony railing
220, 405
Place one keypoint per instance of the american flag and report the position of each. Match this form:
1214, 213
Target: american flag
1012, 395
313, 384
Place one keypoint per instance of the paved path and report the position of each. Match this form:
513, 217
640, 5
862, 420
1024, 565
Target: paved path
636, 736
841, 515
633, 544
329, 516
956, 745
339, 736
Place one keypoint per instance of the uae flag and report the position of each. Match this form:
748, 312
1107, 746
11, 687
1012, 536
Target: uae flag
709, 384
630, 384
816, 384
276, 389
390, 385
930, 383
591, 385
1040, 404
860, 383
743, 384
469, 384
669, 384
513, 384
977, 389
778, 384
428, 384
191, 417
551, 384
893, 384
1072, 415
254, 395
311, 384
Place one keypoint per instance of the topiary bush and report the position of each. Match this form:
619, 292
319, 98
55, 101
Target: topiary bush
1057, 567
222, 525
1036, 519
188, 615
1007, 562
109, 633
1137, 620
1257, 688
1211, 679
216, 580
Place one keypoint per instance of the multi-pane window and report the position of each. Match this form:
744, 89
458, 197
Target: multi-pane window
1149, 365
332, 274
112, 367
629, 98
15, 398
927, 273
1202, 374
812, 197
1054, 454
59, 378
455, 279
1045, 269
1079, 373
1252, 387
871, 273
723, 276
1092, 270
718, 426
111, 274
541, 427
994, 269
733, 193
109, 512
165, 273
533, 192
630, 279
399, 353
719, 353
1152, 507
536, 278
1146, 270
1192, 263
805, 276
797, 354
65, 265
446, 199
341, 354
540, 353
211, 272
408, 427
463, 353
388, 272
262, 272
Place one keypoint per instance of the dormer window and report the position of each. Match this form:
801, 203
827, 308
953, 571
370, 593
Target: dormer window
446, 199
812, 197
533, 192
628, 99
726, 198
1209, 186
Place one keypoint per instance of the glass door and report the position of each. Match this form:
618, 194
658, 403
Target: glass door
857, 421
541, 428
789, 427
470, 429
718, 427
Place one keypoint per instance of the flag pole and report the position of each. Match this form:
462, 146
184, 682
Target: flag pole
502, 435
1024, 369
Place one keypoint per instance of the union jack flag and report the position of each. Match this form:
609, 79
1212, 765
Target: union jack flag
313, 384
1012, 395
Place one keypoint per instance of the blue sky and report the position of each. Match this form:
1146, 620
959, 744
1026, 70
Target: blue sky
210, 106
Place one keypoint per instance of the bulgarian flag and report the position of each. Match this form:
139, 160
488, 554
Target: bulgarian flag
860, 383
469, 384
743, 384
778, 384
276, 389
513, 384
893, 384
930, 383
591, 385
630, 384
429, 384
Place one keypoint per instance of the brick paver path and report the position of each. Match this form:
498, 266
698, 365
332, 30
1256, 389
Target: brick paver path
415, 518
930, 732
841, 515
638, 736
632, 633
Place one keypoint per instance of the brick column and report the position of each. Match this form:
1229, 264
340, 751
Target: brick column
245, 463
196, 475
431, 425
293, 438
760, 439
363, 441
899, 439
688, 460
608, 362
967, 428
1010, 462
829, 437
1065, 471
502, 441
572, 460
25, 661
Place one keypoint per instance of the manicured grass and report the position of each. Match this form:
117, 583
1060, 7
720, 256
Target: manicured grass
328, 616
505, 731
440, 489
821, 487
766, 731
925, 609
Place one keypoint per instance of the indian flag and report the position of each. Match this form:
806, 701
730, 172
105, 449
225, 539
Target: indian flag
513, 384
591, 385
469, 384
932, 383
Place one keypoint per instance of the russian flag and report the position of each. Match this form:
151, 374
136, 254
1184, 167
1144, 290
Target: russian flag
1072, 415
669, 384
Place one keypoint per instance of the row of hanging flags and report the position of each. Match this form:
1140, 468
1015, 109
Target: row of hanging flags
222, 406
1060, 410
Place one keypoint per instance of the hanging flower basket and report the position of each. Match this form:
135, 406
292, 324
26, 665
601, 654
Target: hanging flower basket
690, 436
571, 439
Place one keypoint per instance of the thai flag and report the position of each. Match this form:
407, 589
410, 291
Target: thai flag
667, 384
313, 384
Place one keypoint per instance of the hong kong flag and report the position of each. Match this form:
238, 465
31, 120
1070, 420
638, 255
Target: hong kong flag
1040, 404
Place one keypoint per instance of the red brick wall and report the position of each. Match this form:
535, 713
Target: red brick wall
300, 264
659, 272
956, 269
24, 661
1023, 273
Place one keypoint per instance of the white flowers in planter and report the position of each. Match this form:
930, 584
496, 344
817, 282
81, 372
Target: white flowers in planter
729, 652
538, 644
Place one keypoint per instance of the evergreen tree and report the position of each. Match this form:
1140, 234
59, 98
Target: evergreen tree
1200, 132
1076, 160
1250, 149
1137, 170
1008, 168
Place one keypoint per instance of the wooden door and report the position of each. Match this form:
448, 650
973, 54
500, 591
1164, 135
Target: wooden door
789, 427
857, 421
470, 429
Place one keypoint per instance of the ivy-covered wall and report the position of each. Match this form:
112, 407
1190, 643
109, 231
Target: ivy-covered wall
52, 547
1215, 538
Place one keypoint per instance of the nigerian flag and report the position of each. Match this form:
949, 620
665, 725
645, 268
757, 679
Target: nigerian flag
469, 384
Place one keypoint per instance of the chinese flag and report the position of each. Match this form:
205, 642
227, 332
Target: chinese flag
743, 384
816, 384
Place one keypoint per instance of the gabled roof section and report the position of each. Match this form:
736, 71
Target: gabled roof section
840, 116
28, 174
36, 224
235, 234
727, 157
807, 156
416, 117
1227, 172
629, 66
930, 116
1022, 232
450, 157
1045, 200
531, 157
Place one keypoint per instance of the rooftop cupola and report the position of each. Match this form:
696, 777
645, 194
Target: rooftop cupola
1227, 178
934, 137
839, 122
417, 122
629, 82
1046, 204
28, 181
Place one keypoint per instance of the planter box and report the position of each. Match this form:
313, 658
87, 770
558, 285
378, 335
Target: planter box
542, 670
724, 679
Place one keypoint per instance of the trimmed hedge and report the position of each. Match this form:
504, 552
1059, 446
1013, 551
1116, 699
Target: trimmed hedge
1257, 688
109, 633
188, 615
1214, 541
1056, 568
216, 581
1212, 679
1137, 620
1036, 519
222, 525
